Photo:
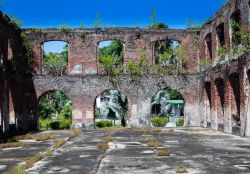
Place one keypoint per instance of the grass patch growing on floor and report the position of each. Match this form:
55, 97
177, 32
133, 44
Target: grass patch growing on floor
29, 163
49, 153
102, 146
21, 137
75, 133
108, 139
59, 142
14, 144
32, 160
198, 129
181, 170
155, 144
44, 137
163, 152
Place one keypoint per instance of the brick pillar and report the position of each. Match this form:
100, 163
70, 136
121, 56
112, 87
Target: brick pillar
220, 103
77, 110
214, 98
227, 107
247, 90
243, 99
5, 108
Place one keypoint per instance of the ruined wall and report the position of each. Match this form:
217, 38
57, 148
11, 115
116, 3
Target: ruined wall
13, 74
83, 45
83, 92
228, 76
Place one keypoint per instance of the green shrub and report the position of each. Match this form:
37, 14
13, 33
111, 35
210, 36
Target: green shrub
180, 122
65, 123
159, 121
61, 123
103, 123
45, 123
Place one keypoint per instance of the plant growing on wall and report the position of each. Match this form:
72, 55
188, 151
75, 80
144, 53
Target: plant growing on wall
56, 63
136, 69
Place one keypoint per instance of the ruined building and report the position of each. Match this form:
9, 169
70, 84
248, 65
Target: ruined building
213, 83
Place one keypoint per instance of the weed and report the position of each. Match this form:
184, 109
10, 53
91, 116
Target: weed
44, 137
181, 170
107, 139
155, 144
21, 137
59, 142
75, 133
102, 146
31, 161
49, 153
163, 152
14, 144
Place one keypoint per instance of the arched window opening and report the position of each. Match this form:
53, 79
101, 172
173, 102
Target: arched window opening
55, 57
235, 27
167, 106
111, 53
111, 109
235, 103
55, 111
208, 47
166, 52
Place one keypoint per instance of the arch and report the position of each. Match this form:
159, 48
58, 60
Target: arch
55, 57
111, 105
165, 51
168, 103
54, 110
208, 47
235, 24
234, 81
220, 101
106, 49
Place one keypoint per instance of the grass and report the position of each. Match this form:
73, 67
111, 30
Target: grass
155, 144
31, 161
14, 144
49, 153
107, 139
156, 130
198, 129
59, 142
181, 170
151, 138
102, 146
75, 133
44, 137
115, 129
16, 170
163, 152
21, 137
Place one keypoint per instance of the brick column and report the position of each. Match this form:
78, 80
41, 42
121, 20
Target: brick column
227, 107
214, 99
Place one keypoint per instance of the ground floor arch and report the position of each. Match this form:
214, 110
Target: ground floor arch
169, 104
111, 106
54, 110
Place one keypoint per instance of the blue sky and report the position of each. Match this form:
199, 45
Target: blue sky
54, 13
131, 13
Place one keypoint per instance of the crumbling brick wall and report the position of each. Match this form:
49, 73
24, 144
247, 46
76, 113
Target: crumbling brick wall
232, 114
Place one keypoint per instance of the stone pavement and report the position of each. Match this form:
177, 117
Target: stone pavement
197, 150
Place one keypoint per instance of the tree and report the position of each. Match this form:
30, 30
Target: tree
55, 63
115, 50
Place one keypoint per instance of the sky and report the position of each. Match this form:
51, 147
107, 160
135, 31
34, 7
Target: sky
130, 13
55, 13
